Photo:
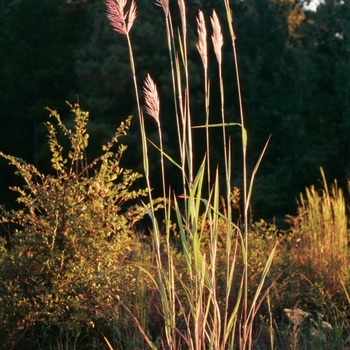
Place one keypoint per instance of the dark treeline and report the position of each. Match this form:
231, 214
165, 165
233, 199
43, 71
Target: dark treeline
294, 69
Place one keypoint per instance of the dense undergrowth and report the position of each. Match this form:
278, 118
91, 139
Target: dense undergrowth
73, 261
82, 268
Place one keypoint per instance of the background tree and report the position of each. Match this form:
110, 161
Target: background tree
294, 67
37, 41
291, 61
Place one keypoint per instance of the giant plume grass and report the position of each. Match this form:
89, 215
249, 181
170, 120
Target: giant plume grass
194, 314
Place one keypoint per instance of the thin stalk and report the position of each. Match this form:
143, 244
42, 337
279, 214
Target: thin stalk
245, 185
144, 145
141, 120
244, 154
203, 52
182, 138
213, 251
217, 39
162, 169
178, 101
171, 280
222, 103
271, 330
171, 49
187, 114
207, 92
153, 109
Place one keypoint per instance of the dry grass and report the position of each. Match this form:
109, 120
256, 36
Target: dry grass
322, 222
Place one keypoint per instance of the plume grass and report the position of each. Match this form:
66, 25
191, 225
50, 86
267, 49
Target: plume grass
197, 312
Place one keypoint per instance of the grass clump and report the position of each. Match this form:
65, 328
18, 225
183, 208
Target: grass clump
322, 225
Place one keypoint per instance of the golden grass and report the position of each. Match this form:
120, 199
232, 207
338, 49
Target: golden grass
322, 221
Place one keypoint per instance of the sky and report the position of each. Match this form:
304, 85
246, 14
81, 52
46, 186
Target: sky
313, 5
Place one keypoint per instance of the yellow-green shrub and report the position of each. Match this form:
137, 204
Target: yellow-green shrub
71, 244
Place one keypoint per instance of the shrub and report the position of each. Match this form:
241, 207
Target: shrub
71, 244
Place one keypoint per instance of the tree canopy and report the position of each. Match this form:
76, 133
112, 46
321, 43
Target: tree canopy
294, 68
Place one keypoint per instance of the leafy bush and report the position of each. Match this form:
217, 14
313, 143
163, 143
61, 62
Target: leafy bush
71, 244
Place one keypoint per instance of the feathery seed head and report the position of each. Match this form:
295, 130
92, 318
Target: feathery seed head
164, 4
202, 36
229, 18
121, 21
151, 98
217, 37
